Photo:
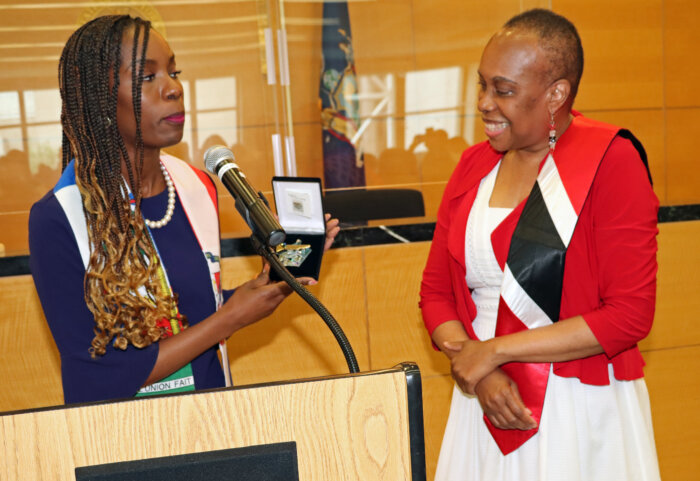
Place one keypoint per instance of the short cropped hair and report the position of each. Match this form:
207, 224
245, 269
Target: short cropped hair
560, 40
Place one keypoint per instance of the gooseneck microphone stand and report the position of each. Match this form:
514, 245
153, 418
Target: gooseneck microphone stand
266, 252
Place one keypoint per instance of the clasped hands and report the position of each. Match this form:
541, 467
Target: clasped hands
476, 371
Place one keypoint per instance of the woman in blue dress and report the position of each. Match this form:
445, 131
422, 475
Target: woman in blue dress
125, 248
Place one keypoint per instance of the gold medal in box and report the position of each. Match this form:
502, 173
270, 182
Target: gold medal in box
293, 255
299, 205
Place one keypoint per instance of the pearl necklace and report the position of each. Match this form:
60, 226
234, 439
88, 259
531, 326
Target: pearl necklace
156, 224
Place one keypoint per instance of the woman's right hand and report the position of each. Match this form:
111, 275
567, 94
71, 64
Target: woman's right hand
500, 399
256, 299
250, 302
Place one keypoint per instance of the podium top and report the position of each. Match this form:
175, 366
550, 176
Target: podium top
367, 425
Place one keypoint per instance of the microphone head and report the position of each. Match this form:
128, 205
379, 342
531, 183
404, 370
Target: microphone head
215, 155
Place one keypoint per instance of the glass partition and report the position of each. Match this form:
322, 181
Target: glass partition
415, 68
252, 73
219, 45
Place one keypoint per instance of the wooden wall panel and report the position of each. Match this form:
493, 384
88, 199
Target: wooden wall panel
681, 57
674, 391
383, 36
396, 331
461, 40
31, 366
683, 175
623, 52
677, 302
295, 342
13, 231
437, 396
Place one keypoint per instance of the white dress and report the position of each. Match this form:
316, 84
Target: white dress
601, 433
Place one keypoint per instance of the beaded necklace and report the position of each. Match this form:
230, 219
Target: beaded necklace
157, 224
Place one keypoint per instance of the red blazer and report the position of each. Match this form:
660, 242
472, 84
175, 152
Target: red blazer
610, 270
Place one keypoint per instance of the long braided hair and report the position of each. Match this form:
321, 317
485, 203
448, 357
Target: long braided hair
122, 288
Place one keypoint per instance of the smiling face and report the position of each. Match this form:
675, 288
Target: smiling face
515, 95
162, 103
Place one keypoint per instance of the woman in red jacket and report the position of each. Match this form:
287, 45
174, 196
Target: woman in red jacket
541, 277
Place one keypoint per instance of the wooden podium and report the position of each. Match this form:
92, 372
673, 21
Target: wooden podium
366, 426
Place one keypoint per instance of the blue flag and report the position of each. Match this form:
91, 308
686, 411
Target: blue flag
342, 166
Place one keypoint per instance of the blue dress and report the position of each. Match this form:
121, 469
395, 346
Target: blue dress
58, 273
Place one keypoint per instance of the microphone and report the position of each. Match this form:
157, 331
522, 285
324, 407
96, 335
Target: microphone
250, 204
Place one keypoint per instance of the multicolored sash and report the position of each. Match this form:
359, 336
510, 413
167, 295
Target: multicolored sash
534, 269
198, 197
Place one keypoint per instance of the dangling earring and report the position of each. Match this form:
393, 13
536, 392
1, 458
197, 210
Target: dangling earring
552, 133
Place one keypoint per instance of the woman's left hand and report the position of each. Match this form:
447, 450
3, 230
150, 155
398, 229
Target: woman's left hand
332, 229
471, 362
500, 399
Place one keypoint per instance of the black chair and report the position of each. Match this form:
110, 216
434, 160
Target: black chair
361, 205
